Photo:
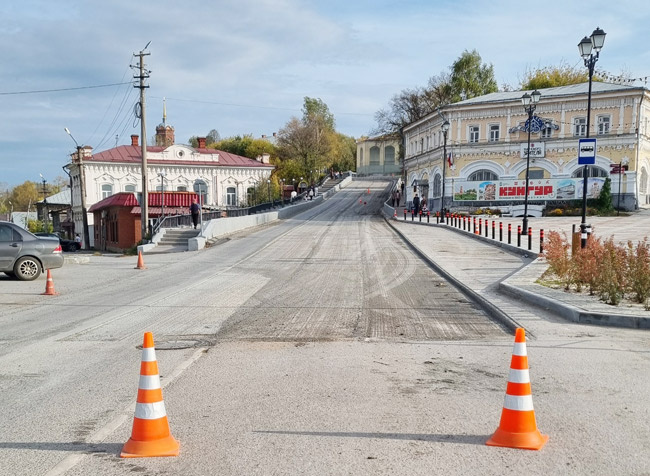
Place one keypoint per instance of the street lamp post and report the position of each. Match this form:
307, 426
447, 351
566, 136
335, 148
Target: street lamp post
268, 186
590, 51
529, 102
46, 227
82, 187
445, 129
282, 191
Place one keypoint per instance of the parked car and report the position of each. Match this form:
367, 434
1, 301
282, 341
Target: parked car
66, 245
24, 255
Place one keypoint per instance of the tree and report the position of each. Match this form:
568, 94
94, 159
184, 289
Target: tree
406, 107
25, 195
343, 152
212, 137
315, 110
471, 78
554, 76
604, 200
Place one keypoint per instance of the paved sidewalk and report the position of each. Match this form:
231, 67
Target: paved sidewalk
495, 273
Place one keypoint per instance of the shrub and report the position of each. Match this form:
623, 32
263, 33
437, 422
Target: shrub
638, 270
587, 265
558, 255
558, 212
611, 283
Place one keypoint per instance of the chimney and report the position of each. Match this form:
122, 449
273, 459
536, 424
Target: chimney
134, 140
263, 136
201, 142
275, 134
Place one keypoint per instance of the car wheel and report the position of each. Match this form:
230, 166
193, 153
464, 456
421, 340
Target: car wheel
27, 268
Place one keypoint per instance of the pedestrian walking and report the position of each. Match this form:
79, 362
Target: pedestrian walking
416, 204
195, 209
398, 197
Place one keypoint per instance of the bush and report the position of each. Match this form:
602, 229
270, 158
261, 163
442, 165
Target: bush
555, 213
558, 255
587, 263
612, 275
638, 270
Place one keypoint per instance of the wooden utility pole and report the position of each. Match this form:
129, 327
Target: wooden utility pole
144, 203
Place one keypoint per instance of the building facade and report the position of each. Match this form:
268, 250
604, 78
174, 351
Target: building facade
379, 156
487, 148
221, 179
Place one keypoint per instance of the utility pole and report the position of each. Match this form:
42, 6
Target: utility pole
82, 187
143, 74
46, 212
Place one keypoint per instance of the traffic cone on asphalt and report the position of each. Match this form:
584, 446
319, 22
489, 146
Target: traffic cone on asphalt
150, 435
49, 285
518, 428
140, 264
395, 213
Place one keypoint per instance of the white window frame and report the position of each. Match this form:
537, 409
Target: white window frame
107, 192
580, 126
495, 132
473, 134
604, 122
231, 196
130, 188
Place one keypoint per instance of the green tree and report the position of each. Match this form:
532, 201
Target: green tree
315, 110
470, 77
554, 76
604, 201
343, 153
25, 195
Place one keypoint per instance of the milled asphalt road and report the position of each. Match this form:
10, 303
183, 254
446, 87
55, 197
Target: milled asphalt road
396, 405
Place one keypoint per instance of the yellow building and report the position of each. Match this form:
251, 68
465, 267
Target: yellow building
487, 148
378, 155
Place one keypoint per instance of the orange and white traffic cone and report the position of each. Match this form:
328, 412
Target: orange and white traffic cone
150, 435
49, 285
395, 214
518, 428
140, 264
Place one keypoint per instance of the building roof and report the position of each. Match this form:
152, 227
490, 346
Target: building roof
132, 154
61, 198
121, 199
571, 90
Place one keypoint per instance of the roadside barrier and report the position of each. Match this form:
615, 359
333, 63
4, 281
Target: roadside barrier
509, 233
518, 427
428, 215
49, 285
500, 231
405, 214
541, 241
140, 264
518, 236
530, 238
150, 435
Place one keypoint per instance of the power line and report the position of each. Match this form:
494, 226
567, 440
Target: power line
63, 89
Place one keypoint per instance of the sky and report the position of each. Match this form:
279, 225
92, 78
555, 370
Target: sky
245, 66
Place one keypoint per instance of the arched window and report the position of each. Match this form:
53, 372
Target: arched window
437, 186
129, 188
181, 188
361, 156
390, 157
107, 190
594, 171
231, 196
201, 188
481, 175
374, 155
643, 185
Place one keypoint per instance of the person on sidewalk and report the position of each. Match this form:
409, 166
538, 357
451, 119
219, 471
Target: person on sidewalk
195, 209
416, 204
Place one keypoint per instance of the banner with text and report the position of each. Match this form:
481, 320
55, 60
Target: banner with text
538, 189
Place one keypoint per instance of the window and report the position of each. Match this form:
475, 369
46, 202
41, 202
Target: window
107, 190
604, 124
580, 127
437, 186
473, 133
547, 131
201, 188
594, 171
374, 155
181, 188
250, 193
6, 233
481, 175
535, 174
389, 155
494, 132
231, 196
129, 188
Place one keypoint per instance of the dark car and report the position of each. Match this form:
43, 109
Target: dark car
66, 245
25, 256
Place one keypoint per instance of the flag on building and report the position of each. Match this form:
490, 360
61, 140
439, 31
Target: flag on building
450, 159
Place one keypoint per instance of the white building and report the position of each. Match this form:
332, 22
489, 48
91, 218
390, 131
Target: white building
223, 179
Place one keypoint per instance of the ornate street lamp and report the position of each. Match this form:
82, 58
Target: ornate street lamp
445, 129
529, 102
82, 187
268, 186
590, 51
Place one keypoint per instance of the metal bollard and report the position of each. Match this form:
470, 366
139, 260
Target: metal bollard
487, 228
541, 241
493, 228
437, 217
530, 238
475, 225
428, 215
412, 215
420, 217
480, 226
405, 214
500, 231
518, 236
464, 222
509, 232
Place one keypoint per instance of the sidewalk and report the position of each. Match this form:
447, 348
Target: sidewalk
488, 270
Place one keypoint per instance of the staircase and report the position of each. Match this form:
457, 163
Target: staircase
328, 185
177, 237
